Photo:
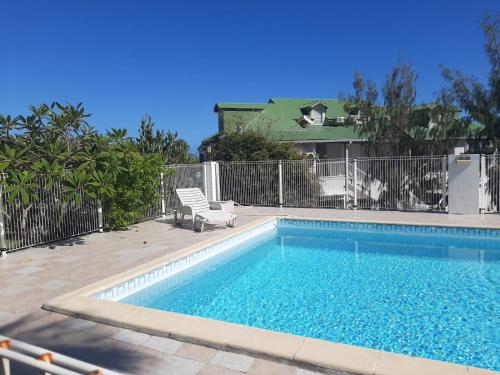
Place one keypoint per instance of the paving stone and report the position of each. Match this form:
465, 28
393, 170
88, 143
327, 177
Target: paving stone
28, 270
162, 344
262, 366
196, 352
301, 371
233, 361
178, 366
54, 284
103, 330
4, 316
77, 324
217, 370
13, 290
132, 337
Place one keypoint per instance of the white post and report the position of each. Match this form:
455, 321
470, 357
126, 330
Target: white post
212, 181
355, 177
205, 178
482, 187
346, 182
163, 203
444, 180
217, 181
280, 183
100, 222
4, 366
3, 243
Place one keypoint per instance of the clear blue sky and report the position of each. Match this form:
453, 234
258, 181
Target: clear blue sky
174, 60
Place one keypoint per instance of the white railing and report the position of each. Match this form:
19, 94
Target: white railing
48, 218
385, 183
43, 360
402, 183
392, 183
250, 182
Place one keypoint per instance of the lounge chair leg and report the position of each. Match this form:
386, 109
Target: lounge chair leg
232, 223
202, 225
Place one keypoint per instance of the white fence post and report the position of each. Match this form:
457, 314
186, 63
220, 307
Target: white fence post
100, 222
444, 180
217, 181
346, 176
280, 183
355, 178
482, 183
163, 203
212, 181
205, 178
3, 243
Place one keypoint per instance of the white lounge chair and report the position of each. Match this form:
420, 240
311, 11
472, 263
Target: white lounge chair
195, 204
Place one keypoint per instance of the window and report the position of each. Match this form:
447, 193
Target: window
317, 116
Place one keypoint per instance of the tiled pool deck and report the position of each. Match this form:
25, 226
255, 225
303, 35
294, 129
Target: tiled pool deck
34, 276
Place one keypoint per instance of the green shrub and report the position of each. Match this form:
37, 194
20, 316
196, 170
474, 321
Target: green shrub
137, 188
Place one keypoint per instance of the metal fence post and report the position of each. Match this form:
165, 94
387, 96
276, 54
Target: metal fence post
217, 181
482, 183
205, 178
163, 203
355, 178
100, 222
280, 183
444, 180
346, 183
3, 243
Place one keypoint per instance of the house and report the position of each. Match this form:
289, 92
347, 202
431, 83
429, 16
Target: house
319, 127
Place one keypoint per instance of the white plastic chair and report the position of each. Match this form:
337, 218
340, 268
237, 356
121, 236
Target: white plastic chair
195, 204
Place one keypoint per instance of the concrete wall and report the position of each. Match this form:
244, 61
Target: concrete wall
463, 185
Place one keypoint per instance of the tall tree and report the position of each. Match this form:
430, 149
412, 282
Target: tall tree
167, 144
480, 102
397, 126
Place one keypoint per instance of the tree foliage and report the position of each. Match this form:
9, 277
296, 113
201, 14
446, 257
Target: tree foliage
396, 125
55, 142
167, 144
480, 102
251, 145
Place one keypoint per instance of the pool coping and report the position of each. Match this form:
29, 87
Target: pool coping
297, 350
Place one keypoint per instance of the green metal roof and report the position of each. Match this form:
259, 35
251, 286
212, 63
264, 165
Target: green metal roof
238, 106
278, 119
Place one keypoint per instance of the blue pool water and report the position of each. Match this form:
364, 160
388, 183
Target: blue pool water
428, 292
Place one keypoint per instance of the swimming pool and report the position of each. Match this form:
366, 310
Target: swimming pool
431, 292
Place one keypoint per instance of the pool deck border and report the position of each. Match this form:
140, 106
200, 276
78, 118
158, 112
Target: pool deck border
302, 351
